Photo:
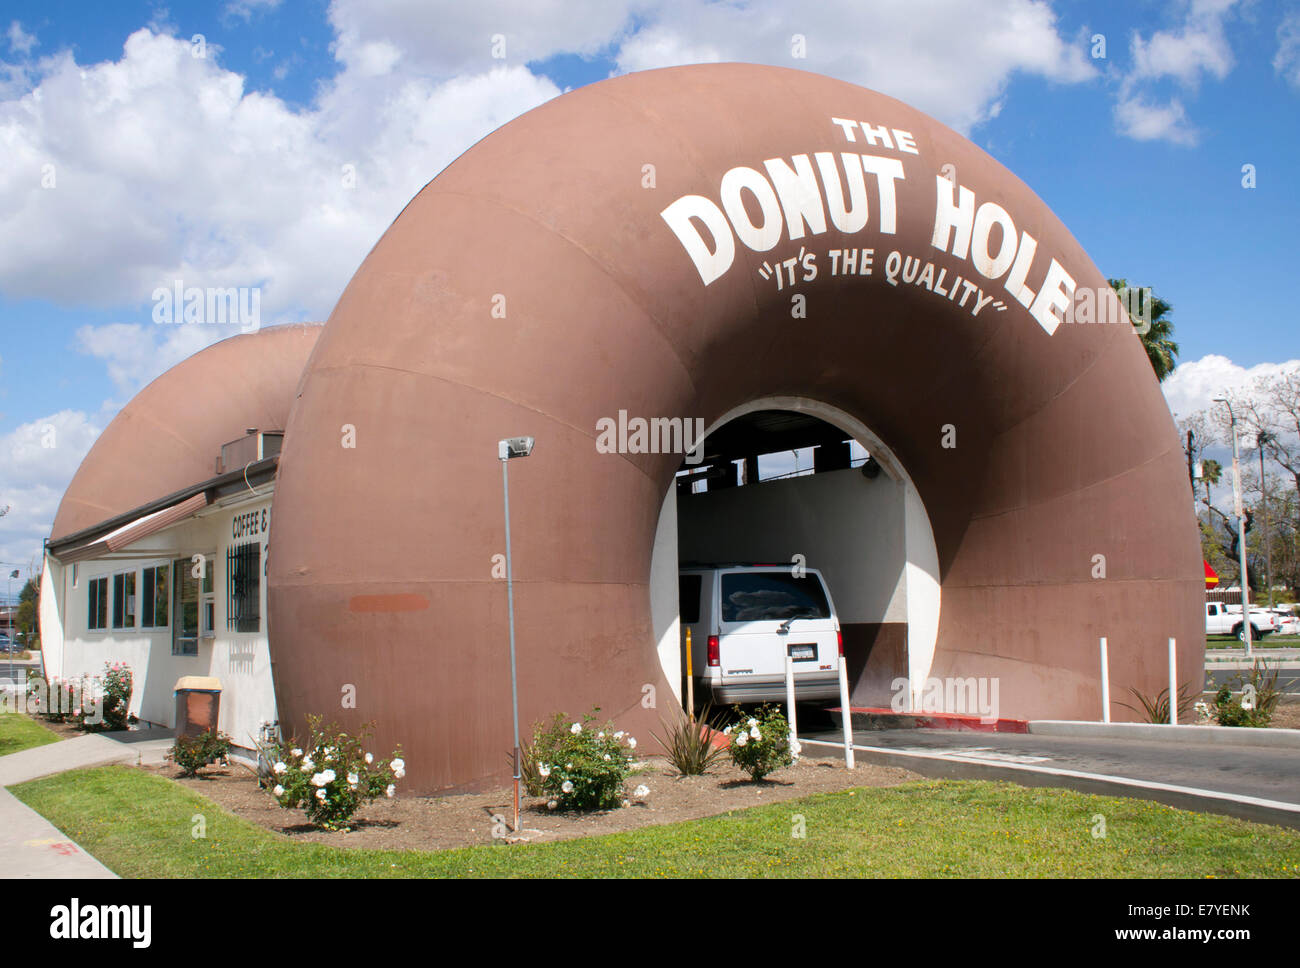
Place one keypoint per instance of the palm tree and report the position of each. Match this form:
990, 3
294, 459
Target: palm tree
1158, 339
1211, 470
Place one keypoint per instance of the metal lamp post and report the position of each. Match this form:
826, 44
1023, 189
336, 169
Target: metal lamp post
1265, 438
1241, 529
507, 449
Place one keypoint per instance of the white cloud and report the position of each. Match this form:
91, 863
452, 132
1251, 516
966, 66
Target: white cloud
20, 41
1194, 384
1287, 60
134, 354
165, 168
1197, 47
1155, 122
948, 58
40, 458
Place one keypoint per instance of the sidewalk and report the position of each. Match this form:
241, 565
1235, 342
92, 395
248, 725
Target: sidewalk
30, 846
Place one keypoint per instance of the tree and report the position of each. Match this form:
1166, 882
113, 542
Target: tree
1158, 339
28, 617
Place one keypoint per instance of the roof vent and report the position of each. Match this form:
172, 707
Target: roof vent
255, 445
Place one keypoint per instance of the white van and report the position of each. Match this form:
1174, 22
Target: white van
744, 619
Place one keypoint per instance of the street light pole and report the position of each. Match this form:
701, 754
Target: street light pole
1241, 530
506, 449
1264, 438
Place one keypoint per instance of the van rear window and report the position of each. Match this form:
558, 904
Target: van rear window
766, 595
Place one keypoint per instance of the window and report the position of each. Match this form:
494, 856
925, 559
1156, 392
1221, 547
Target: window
97, 610
124, 600
207, 604
156, 597
767, 595
244, 587
688, 598
185, 609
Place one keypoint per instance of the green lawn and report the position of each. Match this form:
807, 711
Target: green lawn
140, 825
18, 732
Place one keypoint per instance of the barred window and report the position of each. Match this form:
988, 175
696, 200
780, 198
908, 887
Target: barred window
244, 587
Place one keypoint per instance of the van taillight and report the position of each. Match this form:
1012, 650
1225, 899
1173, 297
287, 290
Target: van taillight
713, 650
839, 640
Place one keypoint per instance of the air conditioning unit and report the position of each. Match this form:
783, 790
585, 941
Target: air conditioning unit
253, 446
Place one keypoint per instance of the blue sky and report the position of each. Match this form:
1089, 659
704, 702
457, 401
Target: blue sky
225, 168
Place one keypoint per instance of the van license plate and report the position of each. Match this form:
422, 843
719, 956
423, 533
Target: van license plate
803, 652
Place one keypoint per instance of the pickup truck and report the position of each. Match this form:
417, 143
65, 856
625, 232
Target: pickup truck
1221, 619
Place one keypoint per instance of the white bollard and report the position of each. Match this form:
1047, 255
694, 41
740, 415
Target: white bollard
846, 713
1173, 683
1105, 683
789, 698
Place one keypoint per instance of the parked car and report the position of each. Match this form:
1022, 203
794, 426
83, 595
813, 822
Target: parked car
745, 618
7, 645
1224, 619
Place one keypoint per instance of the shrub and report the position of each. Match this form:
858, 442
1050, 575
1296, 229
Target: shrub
193, 753
689, 744
582, 766
331, 775
1156, 709
54, 700
760, 744
1254, 707
116, 690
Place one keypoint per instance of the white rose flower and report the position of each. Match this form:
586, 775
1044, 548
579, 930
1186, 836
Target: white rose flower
318, 780
631, 742
754, 733
568, 766
370, 757
600, 736
567, 786
278, 791
390, 791
753, 721
551, 804
320, 795
398, 764
543, 771
353, 779
619, 734
606, 757
742, 739
641, 791
329, 776
278, 769
727, 731
308, 764
296, 752
575, 729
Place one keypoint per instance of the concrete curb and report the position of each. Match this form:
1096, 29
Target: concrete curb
1272, 739
955, 767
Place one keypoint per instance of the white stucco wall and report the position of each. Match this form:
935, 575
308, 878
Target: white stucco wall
241, 661
664, 609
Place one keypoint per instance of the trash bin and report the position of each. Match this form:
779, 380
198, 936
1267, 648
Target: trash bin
198, 705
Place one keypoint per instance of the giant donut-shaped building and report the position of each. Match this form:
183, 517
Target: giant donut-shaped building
643, 245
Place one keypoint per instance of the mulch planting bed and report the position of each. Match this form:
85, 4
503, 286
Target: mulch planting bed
463, 820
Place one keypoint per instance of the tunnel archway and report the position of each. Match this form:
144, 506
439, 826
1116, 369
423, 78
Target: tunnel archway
860, 523
677, 244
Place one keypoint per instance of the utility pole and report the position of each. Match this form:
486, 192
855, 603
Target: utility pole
1264, 438
1241, 531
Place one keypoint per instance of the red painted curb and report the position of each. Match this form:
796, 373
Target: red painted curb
955, 721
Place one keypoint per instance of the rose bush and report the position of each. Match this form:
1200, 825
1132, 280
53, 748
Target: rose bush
582, 766
760, 744
332, 774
